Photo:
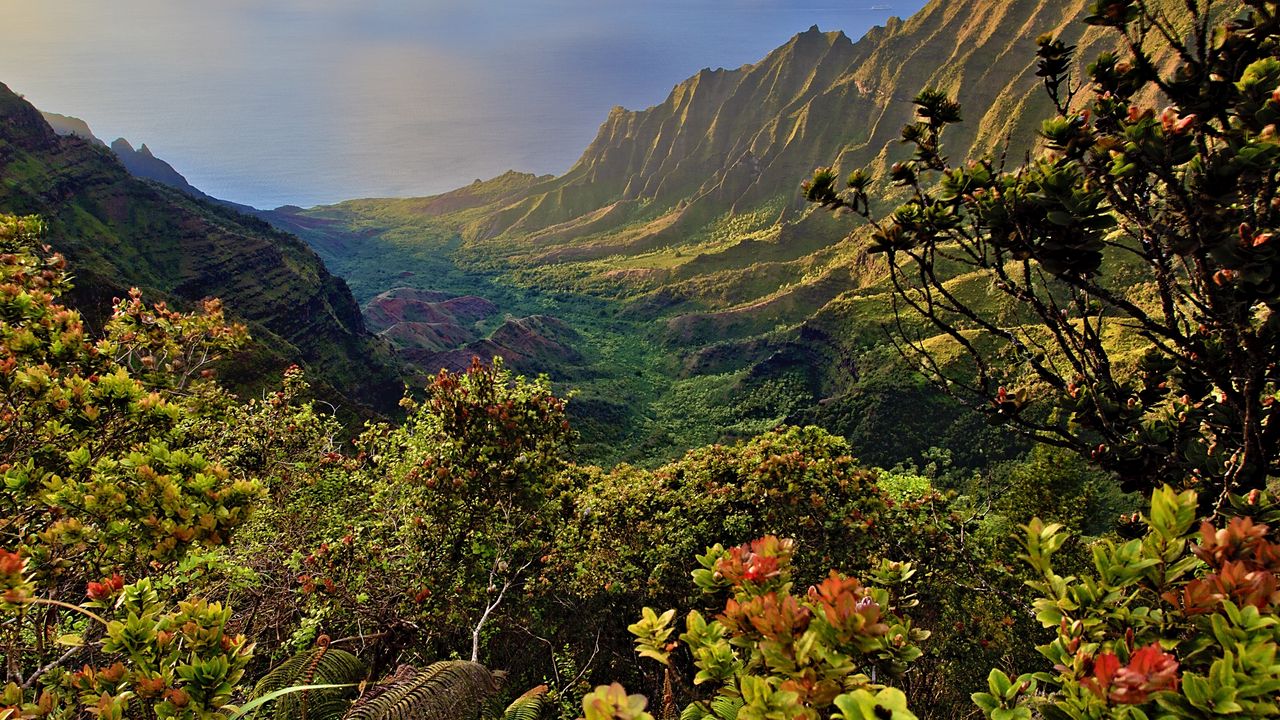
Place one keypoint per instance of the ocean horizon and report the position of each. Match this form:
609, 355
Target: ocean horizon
306, 103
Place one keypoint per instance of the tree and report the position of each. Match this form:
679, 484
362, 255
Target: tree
440, 519
1132, 226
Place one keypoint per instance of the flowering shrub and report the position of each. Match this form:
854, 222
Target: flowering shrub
101, 481
774, 654
1176, 623
435, 523
94, 478
151, 660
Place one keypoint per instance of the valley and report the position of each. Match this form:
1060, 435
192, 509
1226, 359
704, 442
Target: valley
674, 279
932, 374
613, 366
710, 301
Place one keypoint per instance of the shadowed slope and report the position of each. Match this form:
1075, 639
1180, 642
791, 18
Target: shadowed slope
119, 232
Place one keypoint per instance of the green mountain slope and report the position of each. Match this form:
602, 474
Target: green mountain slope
683, 225
119, 231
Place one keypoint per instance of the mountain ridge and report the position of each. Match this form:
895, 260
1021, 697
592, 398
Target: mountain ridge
682, 232
119, 231
682, 226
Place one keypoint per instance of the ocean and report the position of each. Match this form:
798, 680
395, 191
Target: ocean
305, 102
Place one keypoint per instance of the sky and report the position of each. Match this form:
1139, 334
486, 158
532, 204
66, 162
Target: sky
271, 102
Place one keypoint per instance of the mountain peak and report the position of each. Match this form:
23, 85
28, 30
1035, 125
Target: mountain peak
811, 40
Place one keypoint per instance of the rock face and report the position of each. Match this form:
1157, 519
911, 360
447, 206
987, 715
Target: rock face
433, 330
119, 231
734, 144
731, 140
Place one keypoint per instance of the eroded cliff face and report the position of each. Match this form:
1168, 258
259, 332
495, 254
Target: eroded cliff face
733, 140
686, 221
119, 232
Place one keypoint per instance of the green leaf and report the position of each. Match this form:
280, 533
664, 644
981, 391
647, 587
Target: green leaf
70, 640
986, 701
999, 683
257, 702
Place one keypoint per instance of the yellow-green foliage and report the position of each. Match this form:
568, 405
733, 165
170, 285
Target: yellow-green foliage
101, 480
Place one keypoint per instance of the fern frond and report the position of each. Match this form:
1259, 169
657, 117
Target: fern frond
694, 711
448, 690
528, 706
726, 708
321, 665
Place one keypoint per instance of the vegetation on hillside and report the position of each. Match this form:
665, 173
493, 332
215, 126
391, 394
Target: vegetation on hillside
169, 549
679, 248
1130, 225
122, 232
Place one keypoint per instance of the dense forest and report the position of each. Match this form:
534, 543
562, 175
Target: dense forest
981, 419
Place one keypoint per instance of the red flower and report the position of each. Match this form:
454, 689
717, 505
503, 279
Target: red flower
11, 563
13, 586
848, 607
98, 591
757, 561
781, 619
1240, 539
1150, 670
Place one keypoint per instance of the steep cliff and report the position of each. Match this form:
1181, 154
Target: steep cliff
731, 141
119, 231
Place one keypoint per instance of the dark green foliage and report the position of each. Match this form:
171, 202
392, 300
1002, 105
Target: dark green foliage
801, 479
447, 690
1058, 484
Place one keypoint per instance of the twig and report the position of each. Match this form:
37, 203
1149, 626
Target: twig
51, 665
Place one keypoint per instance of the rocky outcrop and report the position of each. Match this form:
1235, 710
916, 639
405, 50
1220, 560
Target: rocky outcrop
433, 330
402, 305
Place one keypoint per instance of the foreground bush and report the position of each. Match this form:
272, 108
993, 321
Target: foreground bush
101, 482
775, 654
1179, 623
